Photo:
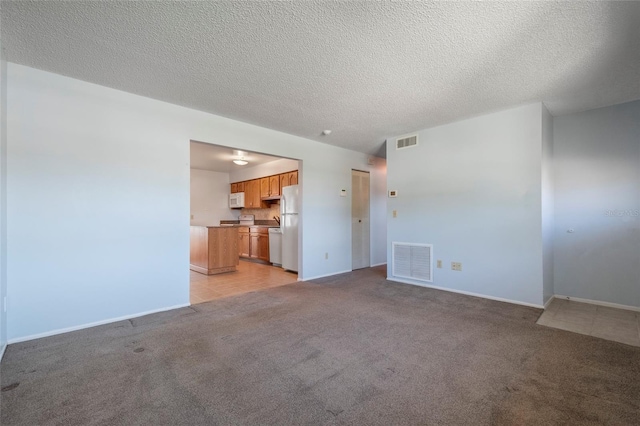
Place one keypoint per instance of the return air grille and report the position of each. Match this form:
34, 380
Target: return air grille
412, 261
407, 142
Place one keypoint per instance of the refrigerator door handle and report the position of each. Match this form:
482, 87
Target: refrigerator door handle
283, 205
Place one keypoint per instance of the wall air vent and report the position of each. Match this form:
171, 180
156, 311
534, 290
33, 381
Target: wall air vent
407, 142
412, 261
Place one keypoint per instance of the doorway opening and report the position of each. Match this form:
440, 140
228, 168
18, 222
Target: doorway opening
236, 198
360, 221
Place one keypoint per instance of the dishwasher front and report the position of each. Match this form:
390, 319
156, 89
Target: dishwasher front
275, 246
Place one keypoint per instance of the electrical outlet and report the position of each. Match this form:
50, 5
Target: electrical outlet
456, 266
439, 263
326, 256
395, 213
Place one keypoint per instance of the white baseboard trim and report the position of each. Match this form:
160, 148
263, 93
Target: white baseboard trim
4, 347
467, 293
324, 276
378, 264
598, 302
546, 305
93, 324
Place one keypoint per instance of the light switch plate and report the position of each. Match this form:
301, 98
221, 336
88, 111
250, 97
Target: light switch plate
343, 193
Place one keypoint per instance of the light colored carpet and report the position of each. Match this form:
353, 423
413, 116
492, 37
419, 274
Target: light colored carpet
351, 349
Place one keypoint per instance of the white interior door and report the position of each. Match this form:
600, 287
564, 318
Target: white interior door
360, 242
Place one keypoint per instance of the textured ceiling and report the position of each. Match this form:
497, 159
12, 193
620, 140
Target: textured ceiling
366, 70
216, 158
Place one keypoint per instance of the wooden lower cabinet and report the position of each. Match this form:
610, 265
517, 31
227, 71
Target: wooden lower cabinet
263, 246
253, 239
244, 247
254, 243
213, 250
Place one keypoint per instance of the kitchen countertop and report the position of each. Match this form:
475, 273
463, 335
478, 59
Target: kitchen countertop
258, 223
213, 226
237, 225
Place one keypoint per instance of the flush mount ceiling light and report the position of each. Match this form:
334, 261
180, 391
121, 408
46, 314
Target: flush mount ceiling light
241, 162
238, 157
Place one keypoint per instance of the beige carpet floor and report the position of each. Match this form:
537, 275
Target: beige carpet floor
353, 349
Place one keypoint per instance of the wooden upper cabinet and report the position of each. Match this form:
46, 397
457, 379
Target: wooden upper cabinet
264, 187
252, 194
289, 178
249, 195
274, 185
256, 201
293, 177
237, 187
257, 189
284, 180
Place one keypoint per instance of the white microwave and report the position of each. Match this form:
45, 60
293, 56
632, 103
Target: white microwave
236, 200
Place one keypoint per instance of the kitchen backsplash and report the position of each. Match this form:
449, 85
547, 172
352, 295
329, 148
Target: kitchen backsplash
264, 214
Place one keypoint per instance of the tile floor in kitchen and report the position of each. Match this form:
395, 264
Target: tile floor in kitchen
619, 325
250, 276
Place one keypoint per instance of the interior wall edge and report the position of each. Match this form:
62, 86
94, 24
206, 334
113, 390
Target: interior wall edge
323, 276
597, 302
466, 293
94, 324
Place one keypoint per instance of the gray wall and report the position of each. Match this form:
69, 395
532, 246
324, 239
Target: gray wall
473, 190
547, 204
597, 193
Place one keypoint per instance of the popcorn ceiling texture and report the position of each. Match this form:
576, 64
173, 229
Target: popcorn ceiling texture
366, 70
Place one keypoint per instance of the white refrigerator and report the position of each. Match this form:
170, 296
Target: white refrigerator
289, 209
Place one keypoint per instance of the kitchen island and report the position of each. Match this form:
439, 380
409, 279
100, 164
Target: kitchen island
213, 249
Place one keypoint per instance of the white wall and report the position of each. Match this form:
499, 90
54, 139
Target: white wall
597, 193
473, 190
547, 205
261, 170
378, 212
210, 198
98, 200
3, 199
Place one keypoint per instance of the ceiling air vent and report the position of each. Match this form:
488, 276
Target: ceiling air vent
412, 261
407, 142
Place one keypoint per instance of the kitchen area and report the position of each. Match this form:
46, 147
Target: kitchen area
244, 222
